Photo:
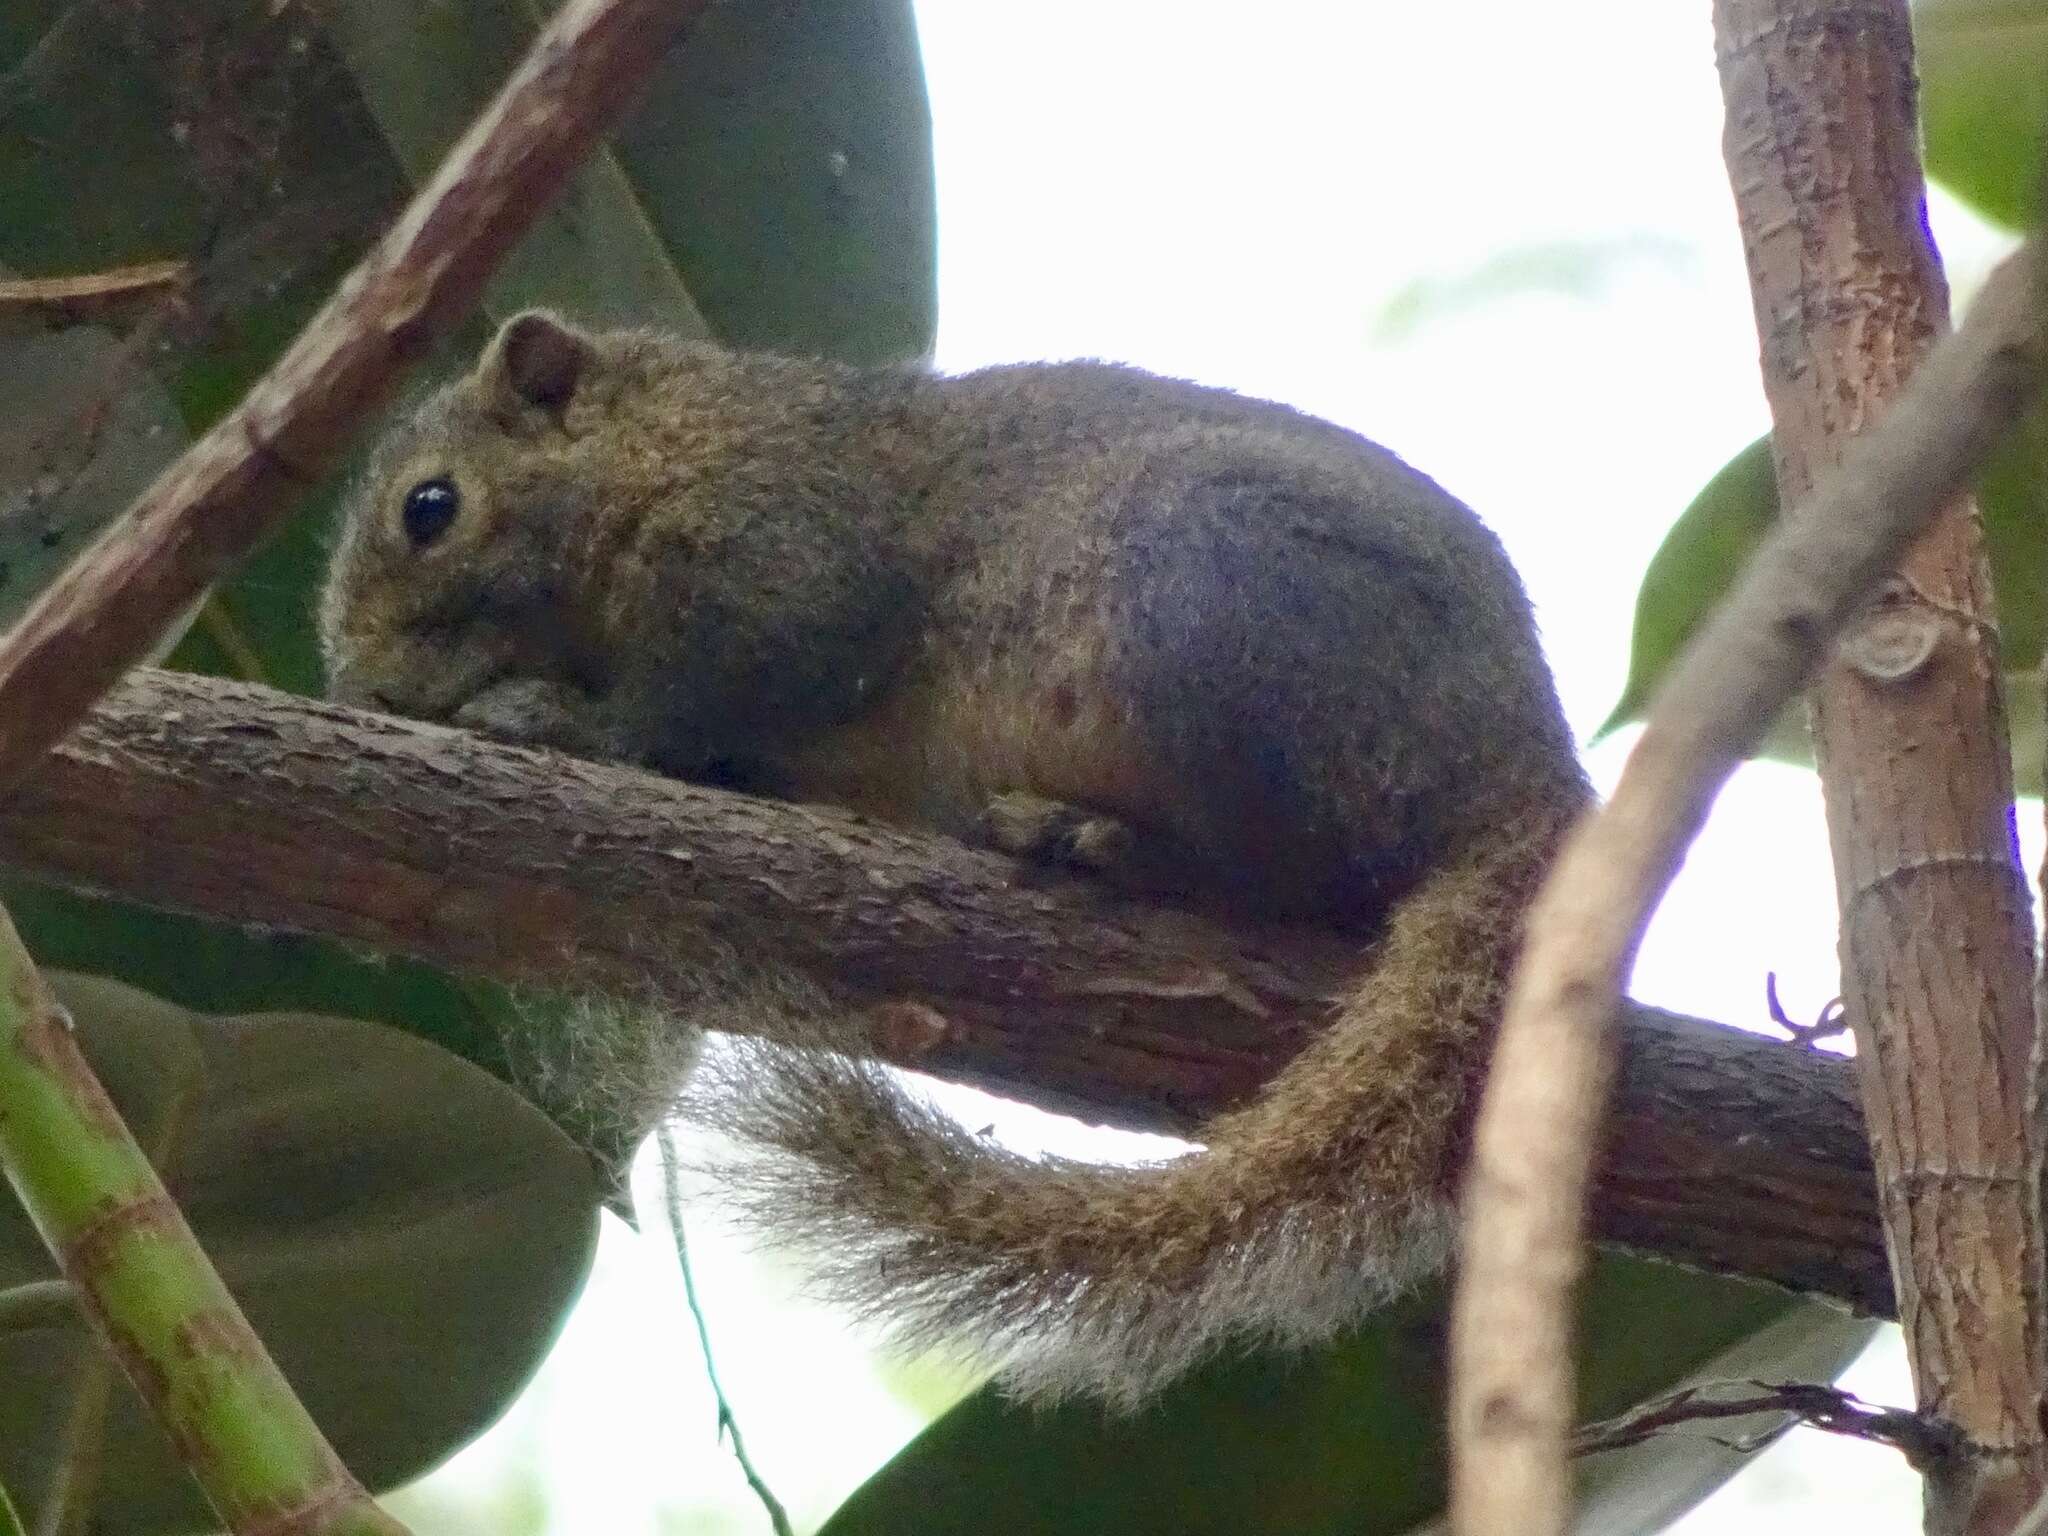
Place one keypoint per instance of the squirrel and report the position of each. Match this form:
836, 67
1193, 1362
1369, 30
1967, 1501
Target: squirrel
1195, 644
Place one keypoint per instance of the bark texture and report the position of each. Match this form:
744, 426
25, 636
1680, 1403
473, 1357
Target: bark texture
1727, 1151
1909, 729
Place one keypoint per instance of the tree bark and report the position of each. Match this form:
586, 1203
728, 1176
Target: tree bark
1909, 728
1726, 1150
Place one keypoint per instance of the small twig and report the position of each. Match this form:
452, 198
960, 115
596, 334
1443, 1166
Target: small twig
84, 295
728, 1422
220, 627
1919, 1439
1831, 1023
210, 508
1539, 1121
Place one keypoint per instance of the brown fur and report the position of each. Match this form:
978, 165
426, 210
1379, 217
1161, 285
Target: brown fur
1271, 667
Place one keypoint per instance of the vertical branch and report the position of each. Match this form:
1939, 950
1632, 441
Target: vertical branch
152, 1296
1909, 729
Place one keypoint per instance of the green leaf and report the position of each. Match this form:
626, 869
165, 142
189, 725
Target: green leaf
1714, 537
405, 1233
1691, 570
215, 967
1984, 101
784, 152
1348, 1438
110, 153
774, 180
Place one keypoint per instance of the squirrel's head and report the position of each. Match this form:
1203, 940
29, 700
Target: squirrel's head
626, 544
444, 579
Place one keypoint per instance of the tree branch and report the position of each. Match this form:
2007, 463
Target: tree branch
211, 507
1511, 1366
240, 803
1923, 1441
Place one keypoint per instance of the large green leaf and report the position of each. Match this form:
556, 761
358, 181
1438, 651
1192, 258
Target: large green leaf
213, 967
425, 72
114, 148
1984, 100
1713, 538
405, 1233
784, 152
83, 430
774, 180
1347, 1438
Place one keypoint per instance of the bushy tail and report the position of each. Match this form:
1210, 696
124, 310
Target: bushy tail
1317, 1200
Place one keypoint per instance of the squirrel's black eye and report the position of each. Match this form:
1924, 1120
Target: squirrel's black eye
430, 507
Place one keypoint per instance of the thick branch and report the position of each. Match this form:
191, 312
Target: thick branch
211, 507
237, 802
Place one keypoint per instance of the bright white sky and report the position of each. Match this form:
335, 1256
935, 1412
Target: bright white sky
1237, 195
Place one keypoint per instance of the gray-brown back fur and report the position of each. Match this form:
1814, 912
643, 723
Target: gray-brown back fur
1302, 673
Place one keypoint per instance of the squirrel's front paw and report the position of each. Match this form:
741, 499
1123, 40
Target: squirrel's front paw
529, 712
1054, 832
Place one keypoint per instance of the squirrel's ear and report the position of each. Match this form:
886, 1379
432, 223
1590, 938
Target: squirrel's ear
536, 360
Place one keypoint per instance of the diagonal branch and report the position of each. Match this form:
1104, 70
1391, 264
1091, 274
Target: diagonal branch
240, 803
